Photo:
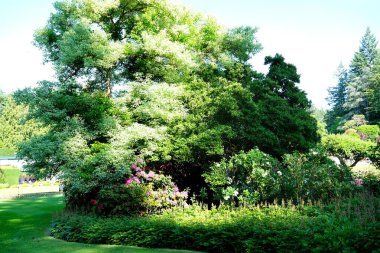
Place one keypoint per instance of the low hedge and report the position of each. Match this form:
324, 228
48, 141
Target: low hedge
272, 229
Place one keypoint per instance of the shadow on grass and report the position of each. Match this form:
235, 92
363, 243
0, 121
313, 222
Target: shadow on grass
30, 201
24, 226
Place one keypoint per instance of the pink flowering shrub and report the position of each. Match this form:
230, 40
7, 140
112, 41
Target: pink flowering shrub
358, 182
144, 191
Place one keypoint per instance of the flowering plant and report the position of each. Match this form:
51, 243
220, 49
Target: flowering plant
161, 190
143, 191
358, 182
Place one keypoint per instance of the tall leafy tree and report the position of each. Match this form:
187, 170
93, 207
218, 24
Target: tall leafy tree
284, 110
338, 94
187, 95
366, 56
336, 99
373, 93
360, 72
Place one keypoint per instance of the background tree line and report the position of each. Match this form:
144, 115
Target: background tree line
354, 117
15, 128
358, 88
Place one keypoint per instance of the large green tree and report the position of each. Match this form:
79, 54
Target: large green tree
373, 93
360, 72
336, 100
284, 110
186, 95
356, 92
366, 56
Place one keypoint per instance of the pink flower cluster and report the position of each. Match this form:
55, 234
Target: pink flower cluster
358, 182
137, 171
130, 180
163, 191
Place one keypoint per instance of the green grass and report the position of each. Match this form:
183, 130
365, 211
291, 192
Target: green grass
24, 225
10, 175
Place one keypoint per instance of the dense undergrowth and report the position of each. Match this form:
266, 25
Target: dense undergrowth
350, 225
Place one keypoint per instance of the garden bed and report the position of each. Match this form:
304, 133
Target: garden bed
340, 227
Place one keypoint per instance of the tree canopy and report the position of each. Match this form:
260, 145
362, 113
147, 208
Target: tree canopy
15, 126
151, 80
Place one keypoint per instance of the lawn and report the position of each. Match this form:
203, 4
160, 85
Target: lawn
10, 175
24, 227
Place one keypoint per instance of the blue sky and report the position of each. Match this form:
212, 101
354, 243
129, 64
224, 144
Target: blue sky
314, 35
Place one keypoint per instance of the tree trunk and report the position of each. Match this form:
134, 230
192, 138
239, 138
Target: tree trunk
355, 162
342, 161
109, 88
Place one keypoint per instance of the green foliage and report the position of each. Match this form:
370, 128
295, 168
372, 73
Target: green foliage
368, 177
356, 121
361, 69
7, 152
255, 177
241, 43
3, 98
9, 175
374, 156
373, 92
367, 54
283, 111
333, 123
370, 131
188, 96
348, 149
309, 229
357, 88
246, 178
313, 177
337, 99
15, 128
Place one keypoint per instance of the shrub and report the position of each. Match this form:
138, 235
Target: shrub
374, 156
253, 177
352, 132
143, 191
367, 177
246, 178
270, 229
350, 150
313, 177
369, 131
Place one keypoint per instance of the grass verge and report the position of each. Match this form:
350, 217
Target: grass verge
24, 225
